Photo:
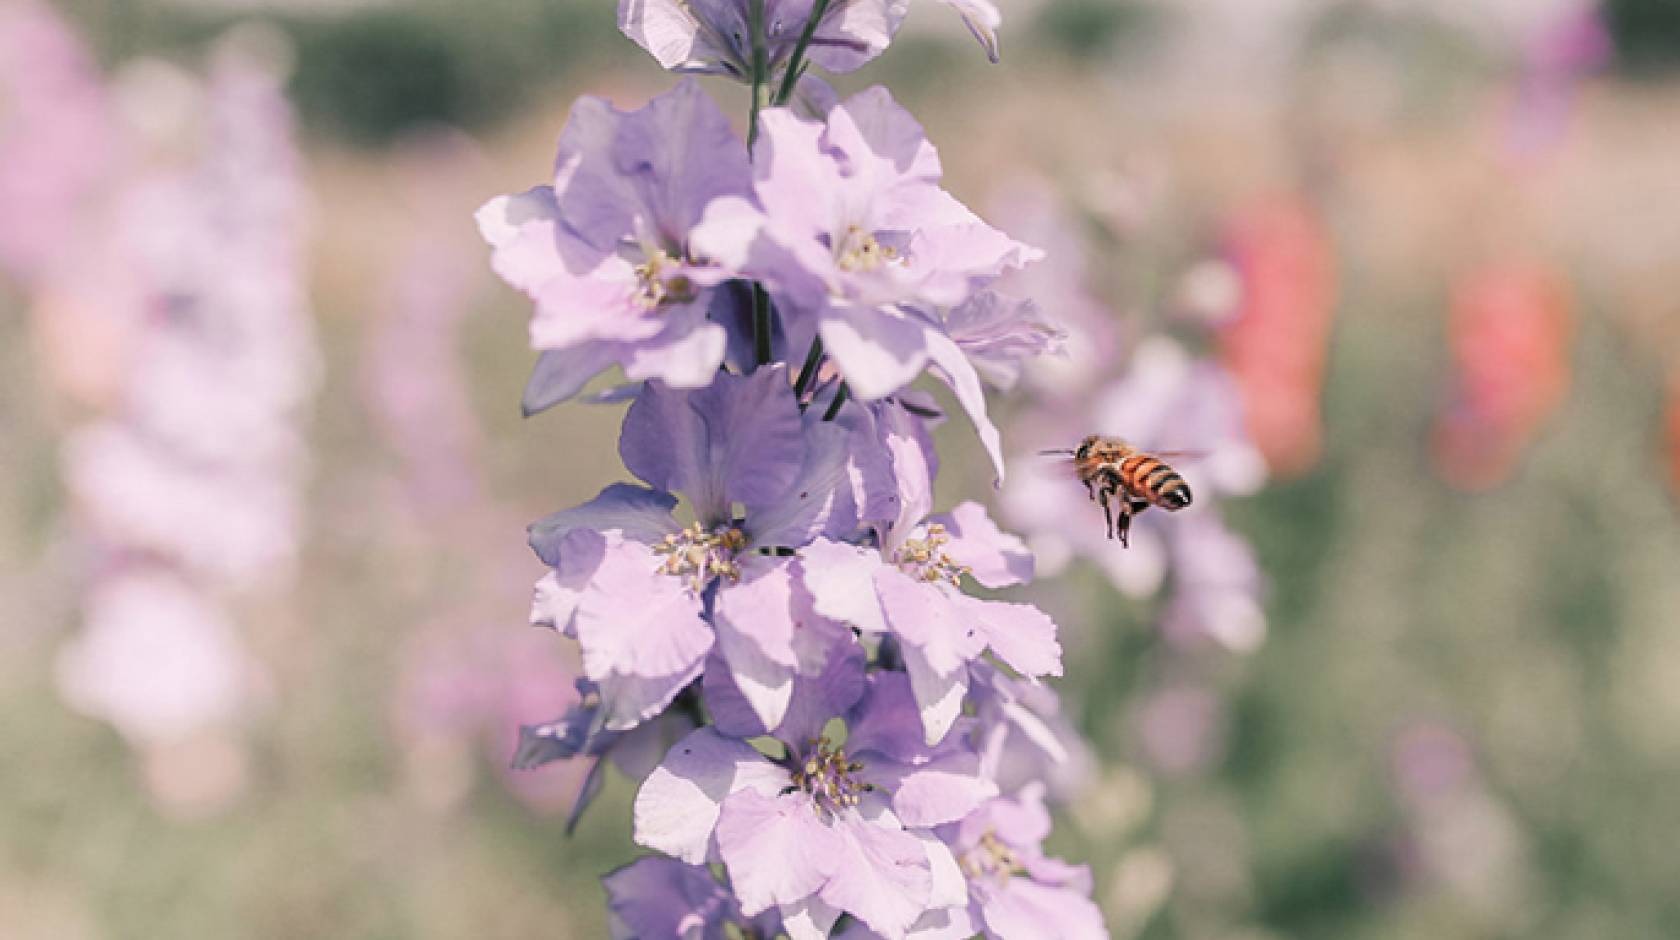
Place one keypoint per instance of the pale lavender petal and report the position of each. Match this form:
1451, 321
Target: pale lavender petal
880, 872
561, 373
812, 504
816, 698
777, 847
555, 598
939, 695
738, 440
943, 790
950, 887
983, 19
915, 463
886, 721
677, 806
810, 919
1026, 910
685, 354
841, 579
755, 621
995, 558
637, 512
997, 333
931, 617
854, 31
646, 174
662, 897
640, 633
679, 39
878, 351
954, 369
871, 127
870, 491
1021, 635
828, 694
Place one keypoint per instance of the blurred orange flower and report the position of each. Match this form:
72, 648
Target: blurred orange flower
1673, 434
1510, 331
1275, 343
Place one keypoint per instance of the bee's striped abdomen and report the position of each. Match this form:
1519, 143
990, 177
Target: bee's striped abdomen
1156, 482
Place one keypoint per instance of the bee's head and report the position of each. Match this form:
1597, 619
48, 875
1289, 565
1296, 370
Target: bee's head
1085, 448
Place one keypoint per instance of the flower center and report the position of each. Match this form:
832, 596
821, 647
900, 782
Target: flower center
701, 554
925, 560
827, 776
660, 281
859, 251
992, 859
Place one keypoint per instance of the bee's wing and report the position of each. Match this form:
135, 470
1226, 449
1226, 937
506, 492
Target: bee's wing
1187, 454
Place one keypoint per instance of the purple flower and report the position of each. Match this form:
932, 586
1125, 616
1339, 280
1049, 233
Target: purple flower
605, 251
1217, 585
859, 245
661, 897
998, 333
826, 829
647, 597
715, 36
908, 585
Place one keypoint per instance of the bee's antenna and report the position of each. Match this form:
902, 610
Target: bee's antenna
1061, 451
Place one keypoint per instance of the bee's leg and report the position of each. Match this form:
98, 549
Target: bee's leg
1125, 526
1108, 511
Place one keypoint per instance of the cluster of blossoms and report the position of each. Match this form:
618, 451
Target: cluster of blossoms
856, 736
173, 310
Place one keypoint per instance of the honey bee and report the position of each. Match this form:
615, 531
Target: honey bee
1125, 481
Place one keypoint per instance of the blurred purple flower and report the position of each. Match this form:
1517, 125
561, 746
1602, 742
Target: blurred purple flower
1060, 284
605, 252
57, 142
1164, 401
414, 378
858, 245
827, 830
647, 598
157, 660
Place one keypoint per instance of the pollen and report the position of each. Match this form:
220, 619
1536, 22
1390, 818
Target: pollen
860, 251
700, 554
828, 776
925, 559
991, 859
660, 281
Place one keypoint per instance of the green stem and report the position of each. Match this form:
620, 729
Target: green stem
760, 71
761, 323
839, 399
808, 371
796, 63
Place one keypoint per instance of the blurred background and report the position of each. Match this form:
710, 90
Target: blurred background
263, 582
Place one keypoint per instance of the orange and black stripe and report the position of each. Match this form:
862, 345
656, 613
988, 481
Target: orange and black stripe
1156, 482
